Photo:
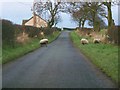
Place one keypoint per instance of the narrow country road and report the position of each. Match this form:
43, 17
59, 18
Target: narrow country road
60, 65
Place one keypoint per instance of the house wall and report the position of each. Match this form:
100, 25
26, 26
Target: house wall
39, 22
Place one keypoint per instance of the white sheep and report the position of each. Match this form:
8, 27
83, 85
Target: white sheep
44, 42
84, 41
96, 40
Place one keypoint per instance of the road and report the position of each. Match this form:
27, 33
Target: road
60, 65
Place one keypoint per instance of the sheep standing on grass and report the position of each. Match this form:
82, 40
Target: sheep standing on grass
96, 41
84, 41
44, 42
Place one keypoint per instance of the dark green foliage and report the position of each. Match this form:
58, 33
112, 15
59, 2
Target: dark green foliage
32, 31
70, 29
8, 33
18, 29
48, 31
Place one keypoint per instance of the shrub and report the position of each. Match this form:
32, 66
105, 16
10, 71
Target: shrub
8, 33
32, 31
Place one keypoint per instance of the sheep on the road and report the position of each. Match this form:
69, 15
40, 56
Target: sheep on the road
84, 41
44, 42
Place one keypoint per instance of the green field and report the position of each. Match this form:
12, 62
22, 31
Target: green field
104, 56
9, 53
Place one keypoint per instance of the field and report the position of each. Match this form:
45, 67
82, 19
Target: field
104, 56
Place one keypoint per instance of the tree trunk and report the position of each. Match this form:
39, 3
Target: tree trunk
109, 15
80, 24
83, 23
94, 22
51, 23
110, 20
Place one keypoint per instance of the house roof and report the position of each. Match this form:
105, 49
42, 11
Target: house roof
25, 21
40, 17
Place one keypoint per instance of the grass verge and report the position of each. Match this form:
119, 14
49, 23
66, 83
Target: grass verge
0, 54
9, 54
104, 56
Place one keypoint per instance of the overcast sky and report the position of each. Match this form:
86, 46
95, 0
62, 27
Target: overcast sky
17, 10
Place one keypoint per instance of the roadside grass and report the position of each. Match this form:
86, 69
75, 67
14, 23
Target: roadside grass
0, 54
9, 53
104, 56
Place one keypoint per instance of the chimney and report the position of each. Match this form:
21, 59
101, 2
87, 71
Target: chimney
34, 19
34, 16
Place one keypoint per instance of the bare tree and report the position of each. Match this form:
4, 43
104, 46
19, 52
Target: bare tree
51, 8
91, 11
57, 20
77, 12
96, 12
80, 16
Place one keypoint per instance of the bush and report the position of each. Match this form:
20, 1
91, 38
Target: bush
8, 33
49, 31
32, 31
